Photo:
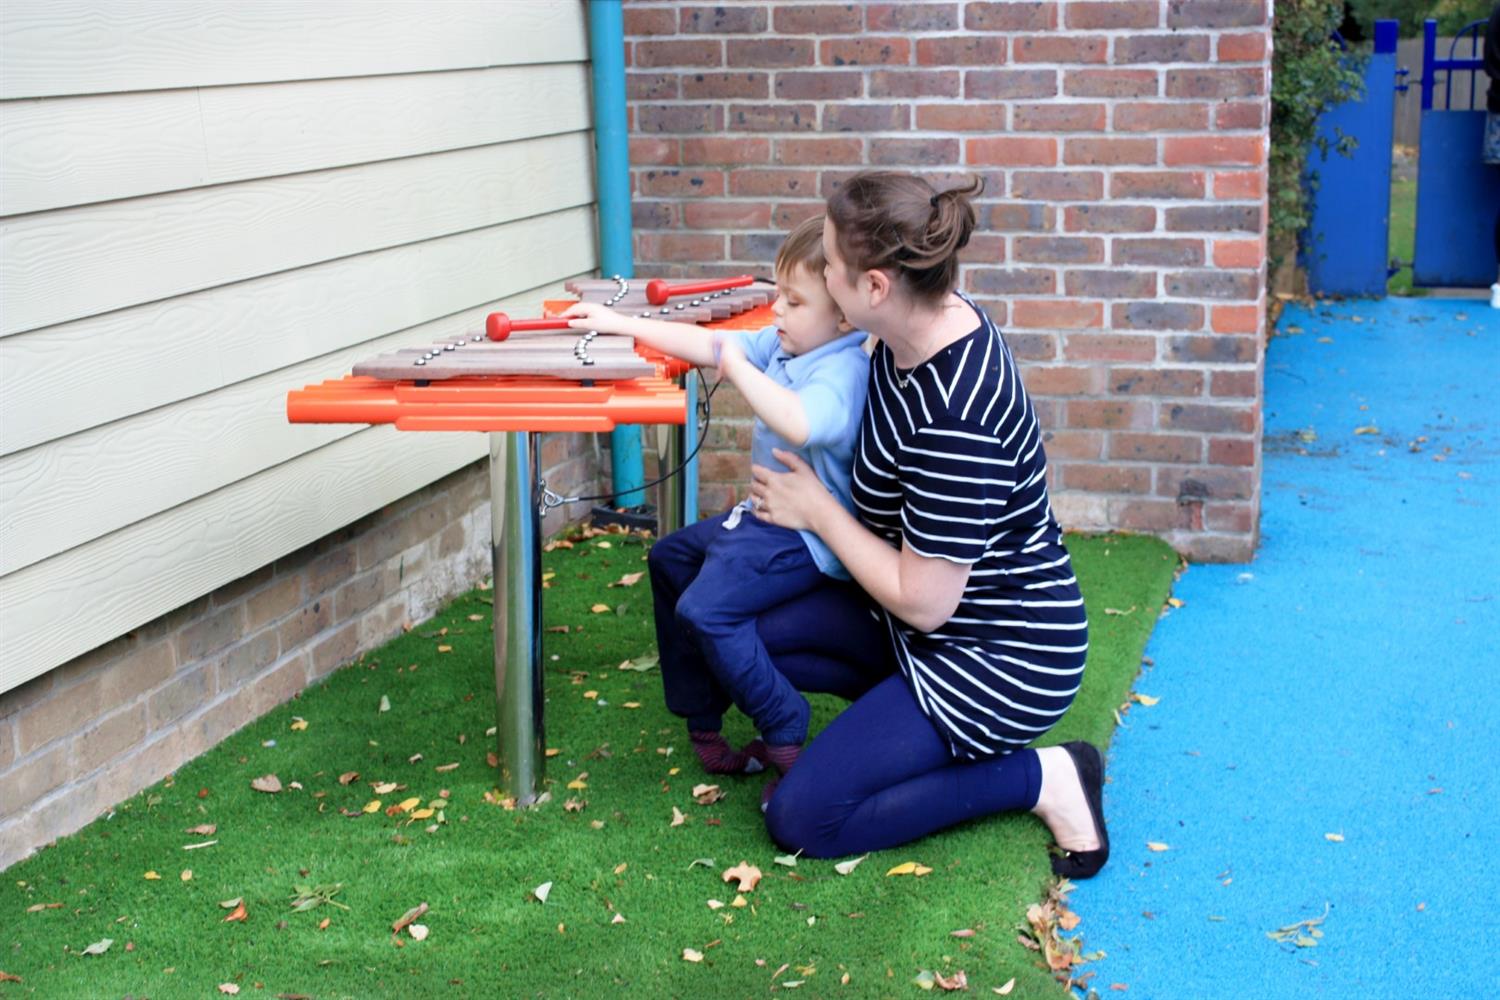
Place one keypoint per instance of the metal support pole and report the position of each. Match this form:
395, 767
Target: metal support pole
514, 534
669, 493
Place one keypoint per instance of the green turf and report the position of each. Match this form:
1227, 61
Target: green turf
1403, 236
488, 937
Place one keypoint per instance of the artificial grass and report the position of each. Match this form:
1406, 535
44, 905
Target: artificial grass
489, 936
1403, 236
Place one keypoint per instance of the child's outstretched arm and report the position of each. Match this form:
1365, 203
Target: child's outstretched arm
779, 407
692, 344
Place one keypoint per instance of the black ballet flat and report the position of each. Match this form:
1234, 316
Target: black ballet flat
1090, 764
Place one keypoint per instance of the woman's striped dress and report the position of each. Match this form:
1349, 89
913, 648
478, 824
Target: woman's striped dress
950, 463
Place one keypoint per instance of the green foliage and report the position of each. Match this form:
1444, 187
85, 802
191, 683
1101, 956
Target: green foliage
1309, 74
1451, 15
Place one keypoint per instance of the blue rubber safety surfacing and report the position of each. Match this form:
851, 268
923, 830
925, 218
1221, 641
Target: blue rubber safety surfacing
1345, 683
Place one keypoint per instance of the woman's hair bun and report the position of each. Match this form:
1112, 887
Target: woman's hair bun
897, 222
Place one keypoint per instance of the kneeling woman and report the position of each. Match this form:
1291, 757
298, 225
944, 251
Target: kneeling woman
956, 543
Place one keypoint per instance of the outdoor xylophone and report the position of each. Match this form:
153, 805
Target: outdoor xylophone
514, 379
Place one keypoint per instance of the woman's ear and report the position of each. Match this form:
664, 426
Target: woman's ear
878, 284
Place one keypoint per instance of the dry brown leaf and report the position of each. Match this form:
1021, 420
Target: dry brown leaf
445, 649
958, 981
240, 913
203, 829
747, 874
599, 609
628, 580
678, 818
348, 777
6, 977
267, 783
229, 988
707, 795
967, 932
323, 924
151, 876
386, 787
408, 917
1156, 845
444, 768
1144, 699
1067, 920
39, 907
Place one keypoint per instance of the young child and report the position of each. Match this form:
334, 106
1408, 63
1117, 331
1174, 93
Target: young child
805, 380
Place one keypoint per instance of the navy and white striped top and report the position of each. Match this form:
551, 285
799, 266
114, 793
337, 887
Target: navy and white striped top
950, 463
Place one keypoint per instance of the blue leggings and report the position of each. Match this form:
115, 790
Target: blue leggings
880, 774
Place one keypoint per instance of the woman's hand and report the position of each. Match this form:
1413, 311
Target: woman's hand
791, 499
595, 316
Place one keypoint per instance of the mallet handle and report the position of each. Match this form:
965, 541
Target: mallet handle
498, 326
659, 291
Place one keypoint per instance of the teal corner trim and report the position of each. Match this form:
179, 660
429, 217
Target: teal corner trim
612, 170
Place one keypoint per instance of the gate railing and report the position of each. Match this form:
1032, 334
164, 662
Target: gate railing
1473, 33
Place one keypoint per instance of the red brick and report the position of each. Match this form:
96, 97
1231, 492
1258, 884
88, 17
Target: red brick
1161, 49
1204, 483
1147, 117
1112, 284
1150, 516
1185, 150
1231, 451
707, 85
819, 151
1236, 319
1057, 314
1061, 380
682, 246
984, 248
680, 52
1109, 414
1235, 517
914, 83
877, 51
651, 151
1111, 83
1156, 184
965, 117
772, 117
1212, 349
1109, 152
866, 117
727, 215
1242, 384
1181, 448
1012, 151
1158, 253
819, 86
1058, 49
1109, 218
755, 246
1240, 184
722, 20
1208, 418
1212, 284
1015, 218
1077, 445
1249, 47
1110, 478
1215, 13
769, 53
679, 183
1059, 250
1239, 115
927, 151
1031, 346
964, 50
773, 182
652, 86
1156, 382
1010, 281
1156, 316
650, 20
911, 17
817, 19
1109, 347
1117, 14
1057, 185
726, 151
788, 214
1216, 83
1059, 118
1214, 218
1238, 253
1009, 84
1010, 15
679, 118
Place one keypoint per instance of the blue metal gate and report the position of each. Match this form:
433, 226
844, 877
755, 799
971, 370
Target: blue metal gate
1457, 193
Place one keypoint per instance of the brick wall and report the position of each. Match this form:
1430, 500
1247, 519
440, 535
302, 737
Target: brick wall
1122, 240
94, 731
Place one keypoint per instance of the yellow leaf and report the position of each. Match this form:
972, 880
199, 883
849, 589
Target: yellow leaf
1337, 838
1144, 699
905, 868
553, 751
688, 954
714, 904
673, 770
632, 704
599, 609
445, 649
372, 806
187, 875
151, 876
410, 803
422, 813
620, 868
577, 785
1176, 603
1156, 845
739, 903
591, 694
385, 788
476, 618
921, 870
548, 576
1367, 429
298, 723
604, 545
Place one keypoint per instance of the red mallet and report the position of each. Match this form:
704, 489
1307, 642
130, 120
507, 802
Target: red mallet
659, 291
498, 326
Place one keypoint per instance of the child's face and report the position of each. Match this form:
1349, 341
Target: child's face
806, 315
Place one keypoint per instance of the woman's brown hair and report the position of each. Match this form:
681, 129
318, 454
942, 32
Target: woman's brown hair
899, 223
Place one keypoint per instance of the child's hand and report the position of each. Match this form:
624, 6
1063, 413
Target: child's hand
595, 316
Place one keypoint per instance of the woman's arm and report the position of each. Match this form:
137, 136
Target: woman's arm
920, 590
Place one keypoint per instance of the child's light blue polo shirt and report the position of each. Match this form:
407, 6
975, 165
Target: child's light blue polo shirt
831, 382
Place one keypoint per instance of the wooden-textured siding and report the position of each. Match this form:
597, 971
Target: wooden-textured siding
203, 205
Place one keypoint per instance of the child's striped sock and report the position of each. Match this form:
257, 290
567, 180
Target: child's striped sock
719, 757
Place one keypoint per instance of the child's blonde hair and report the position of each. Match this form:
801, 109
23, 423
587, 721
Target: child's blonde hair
803, 247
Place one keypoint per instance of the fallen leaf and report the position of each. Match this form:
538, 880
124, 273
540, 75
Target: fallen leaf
1337, 838
747, 874
1144, 699
240, 913
39, 907
604, 545
618, 919
578, 784
845, 867
689, 955
323, 924
1175, 602
591, 695
1010, 984
958, 981
1119, 987
1156, 845
476, 618
967, 932
151, 876
553, 751
707, 795
412, 914
298, 724
230, 904
267, 783
542, 891
1067, 920
194, 847
599, 609
678, 817
1367, 429
385, 703
372, 806
187, 875
641, 663
924, 979
905, 868
444, 768
632, 704
203, 829
230, 988
740, 902
714, 904
386, 787
790, 860
445, 649
422, 813
6, 977
99, 947
418, 932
